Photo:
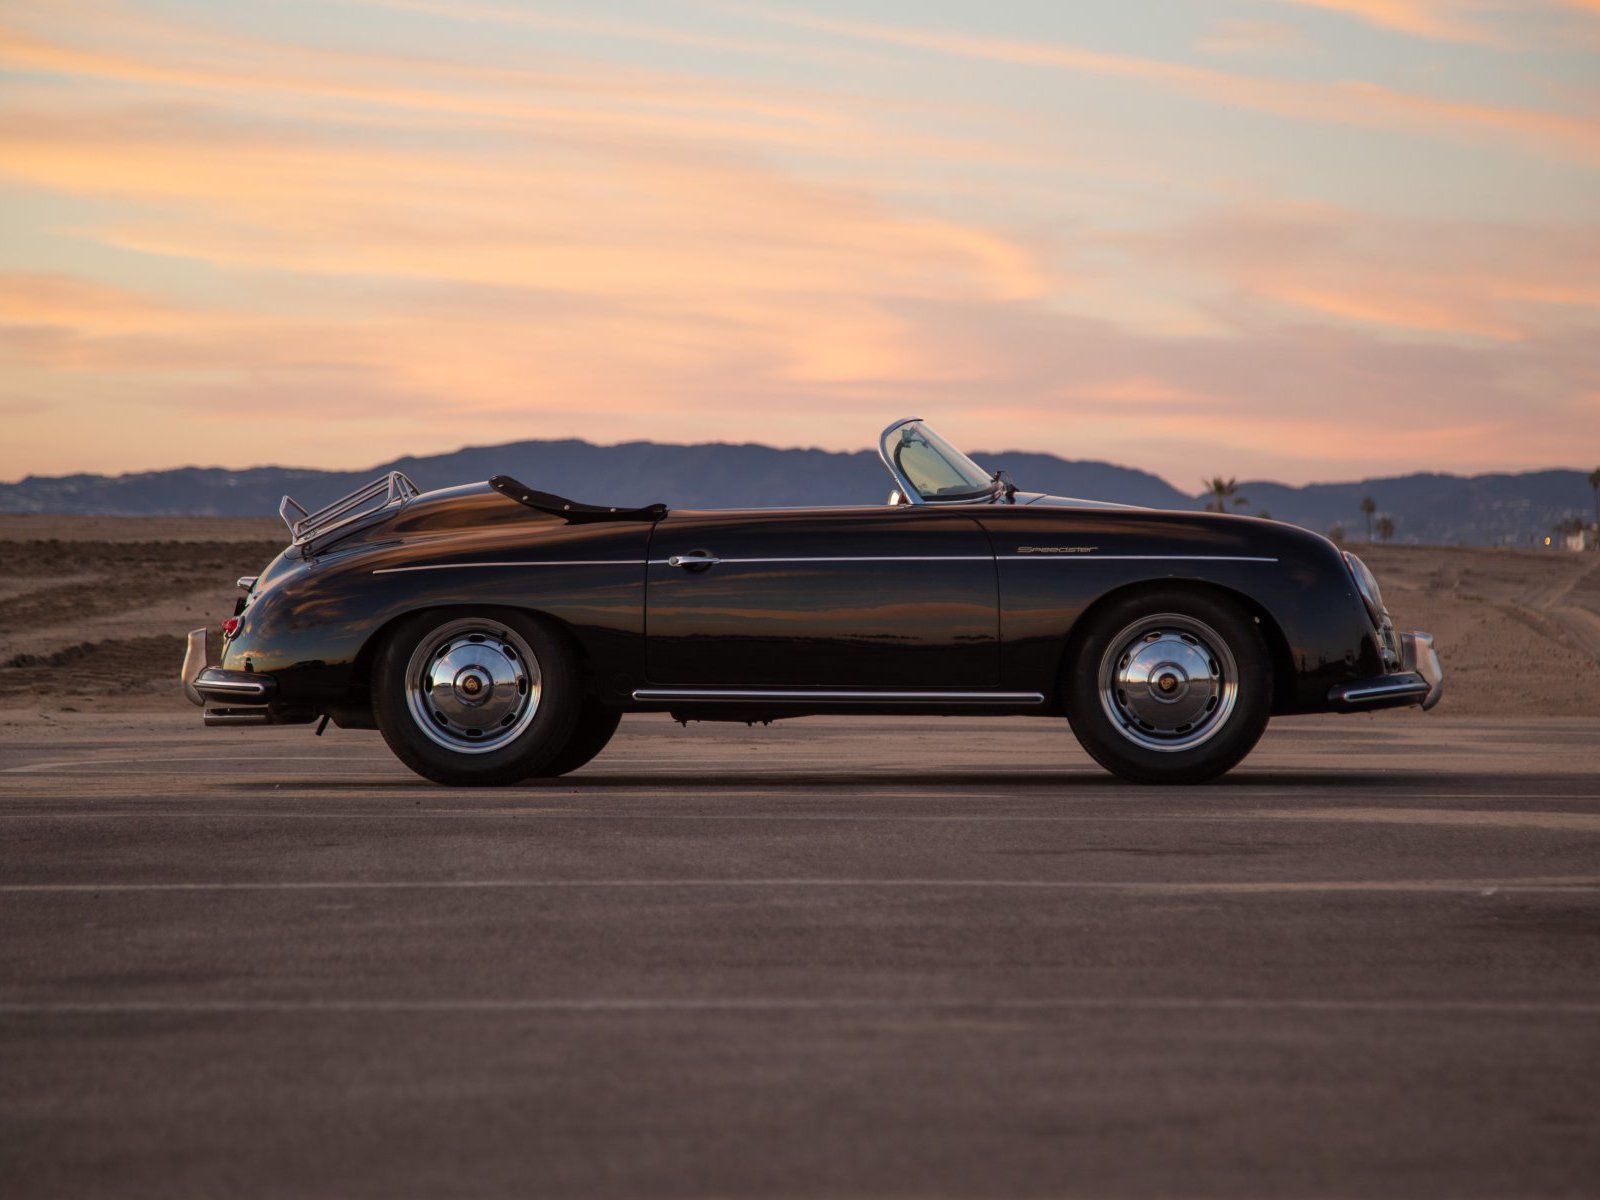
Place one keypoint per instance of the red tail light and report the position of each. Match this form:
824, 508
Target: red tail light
230, 627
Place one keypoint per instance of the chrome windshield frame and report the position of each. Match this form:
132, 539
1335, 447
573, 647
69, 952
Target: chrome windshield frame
904, 485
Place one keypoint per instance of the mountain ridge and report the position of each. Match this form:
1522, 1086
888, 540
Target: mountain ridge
1500, 508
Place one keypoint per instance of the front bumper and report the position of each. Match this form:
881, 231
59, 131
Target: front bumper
233, 697
1420, 680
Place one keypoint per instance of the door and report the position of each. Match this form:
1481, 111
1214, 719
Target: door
878, 598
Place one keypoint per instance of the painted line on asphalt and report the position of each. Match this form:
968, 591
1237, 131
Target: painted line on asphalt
167, 765
1467, 819
782, 1004
1562, 883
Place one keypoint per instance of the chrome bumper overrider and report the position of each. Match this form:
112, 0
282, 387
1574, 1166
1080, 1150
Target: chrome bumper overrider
203, 683
1420, 680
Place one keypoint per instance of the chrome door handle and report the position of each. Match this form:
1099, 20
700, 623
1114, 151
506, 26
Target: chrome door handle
694, 559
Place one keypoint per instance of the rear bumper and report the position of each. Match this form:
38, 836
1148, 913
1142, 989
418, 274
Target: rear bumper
1419, 681
234, 697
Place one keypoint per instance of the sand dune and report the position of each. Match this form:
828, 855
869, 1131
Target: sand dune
93, 611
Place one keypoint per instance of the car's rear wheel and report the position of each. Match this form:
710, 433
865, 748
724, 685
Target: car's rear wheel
1169, 686
590, 735
476, 697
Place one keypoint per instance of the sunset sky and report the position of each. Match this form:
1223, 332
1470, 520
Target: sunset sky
1291, 239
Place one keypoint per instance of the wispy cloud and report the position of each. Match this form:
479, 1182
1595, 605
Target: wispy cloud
513, 222
1449, 20
1400, 277
1353, 102
1235, 36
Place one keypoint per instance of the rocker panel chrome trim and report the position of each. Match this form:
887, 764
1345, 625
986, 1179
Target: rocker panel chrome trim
835, 696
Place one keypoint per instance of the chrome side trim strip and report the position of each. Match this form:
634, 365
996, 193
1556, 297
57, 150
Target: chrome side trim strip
575, 562
843, 558
1140, 558
834, 696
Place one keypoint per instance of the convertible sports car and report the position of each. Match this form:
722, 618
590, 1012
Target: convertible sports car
495, 633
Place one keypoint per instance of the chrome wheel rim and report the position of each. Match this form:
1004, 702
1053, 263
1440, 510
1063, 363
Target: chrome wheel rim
1168, 682
473, 686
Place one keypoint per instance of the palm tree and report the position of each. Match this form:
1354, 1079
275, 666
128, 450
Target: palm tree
1385, 527
1222, 490
1368, 507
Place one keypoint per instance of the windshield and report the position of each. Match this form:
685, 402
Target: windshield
932, 466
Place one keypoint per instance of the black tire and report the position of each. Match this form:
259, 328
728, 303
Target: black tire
476, 697
1169, 685
595, 725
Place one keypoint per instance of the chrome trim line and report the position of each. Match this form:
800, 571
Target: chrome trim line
844, 558
242, 687
574, 562
1140, 558
1384, 689
835, 696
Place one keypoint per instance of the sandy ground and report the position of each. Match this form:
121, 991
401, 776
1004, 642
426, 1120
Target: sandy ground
93, 612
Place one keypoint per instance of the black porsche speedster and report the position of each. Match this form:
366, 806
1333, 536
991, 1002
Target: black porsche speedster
495, 633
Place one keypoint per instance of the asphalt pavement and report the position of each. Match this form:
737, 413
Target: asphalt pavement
827, 958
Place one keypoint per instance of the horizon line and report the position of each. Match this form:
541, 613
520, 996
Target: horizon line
389, 464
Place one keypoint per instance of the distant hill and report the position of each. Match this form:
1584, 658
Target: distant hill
1442, 509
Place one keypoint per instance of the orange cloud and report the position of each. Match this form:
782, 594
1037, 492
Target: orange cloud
1443, 19
1469, 279
61, 301
1470, 21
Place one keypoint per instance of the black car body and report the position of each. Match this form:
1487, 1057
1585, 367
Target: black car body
494, 632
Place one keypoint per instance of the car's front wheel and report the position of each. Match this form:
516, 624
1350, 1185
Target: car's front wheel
1169, 686
476, 698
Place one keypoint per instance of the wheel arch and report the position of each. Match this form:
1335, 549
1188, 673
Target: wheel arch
1271, 631
361, 667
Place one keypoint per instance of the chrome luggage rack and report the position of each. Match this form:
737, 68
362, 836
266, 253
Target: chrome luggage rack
393, 490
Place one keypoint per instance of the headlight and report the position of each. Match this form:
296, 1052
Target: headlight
1367, 585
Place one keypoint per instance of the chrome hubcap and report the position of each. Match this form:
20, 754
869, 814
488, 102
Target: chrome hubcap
473, 686
1168, 682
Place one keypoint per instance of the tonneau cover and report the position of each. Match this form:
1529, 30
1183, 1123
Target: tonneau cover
571, 510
